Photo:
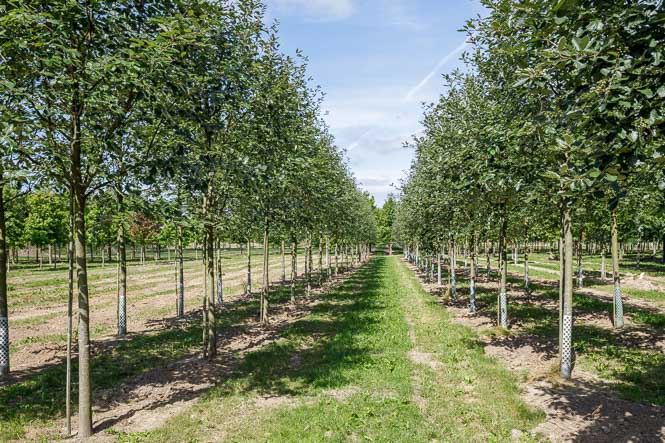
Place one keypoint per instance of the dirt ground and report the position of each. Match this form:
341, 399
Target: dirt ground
586, 408
147, 401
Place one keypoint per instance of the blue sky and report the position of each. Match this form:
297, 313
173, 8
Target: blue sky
377, 61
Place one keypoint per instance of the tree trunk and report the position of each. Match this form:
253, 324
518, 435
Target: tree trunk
211, 324
503, 267
489, 261
248, 290
282, 251
328, 264
472, 274
70, 314
294, 269
122, 270
265, 290
580, 271
566, 326
438, 270
616, 277
220, 287
453, 272
308, 265
336, 260
320, 261
526, 268
4, 312
85, 384
181, 276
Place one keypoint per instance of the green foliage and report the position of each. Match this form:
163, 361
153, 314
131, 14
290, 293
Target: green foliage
47, 219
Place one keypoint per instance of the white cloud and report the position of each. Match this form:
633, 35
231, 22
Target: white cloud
402, 14
319, 9
444, 61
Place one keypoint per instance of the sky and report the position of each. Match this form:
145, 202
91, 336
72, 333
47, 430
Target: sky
377, 61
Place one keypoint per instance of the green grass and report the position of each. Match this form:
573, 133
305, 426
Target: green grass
343, 373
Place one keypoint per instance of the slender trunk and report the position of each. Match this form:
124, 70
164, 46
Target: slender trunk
472, 275
616, 276
283, 262
438, 270
85, 383
211, 324
489, 261
562, 277
248, 291
294, 270
580, 271
336, 260
70, 315
265, 290
453, 273
220, 287
4, 312
310, 265
328, 265
526, 269
320, 277
122, 270
181, 275
603, 265
503, 267
567, 308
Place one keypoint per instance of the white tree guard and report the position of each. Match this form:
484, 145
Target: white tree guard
566, 346
122, 315
181, 300
4, 344
503, 310
618, 307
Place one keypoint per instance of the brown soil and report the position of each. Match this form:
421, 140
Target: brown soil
48, 345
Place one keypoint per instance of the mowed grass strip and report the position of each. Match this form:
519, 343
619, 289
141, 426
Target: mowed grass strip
346, 372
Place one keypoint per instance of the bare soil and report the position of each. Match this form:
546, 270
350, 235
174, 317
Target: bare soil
40, 343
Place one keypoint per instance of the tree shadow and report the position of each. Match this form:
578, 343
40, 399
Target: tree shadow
604, 418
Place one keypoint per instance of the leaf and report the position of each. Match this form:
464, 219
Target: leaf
648, 93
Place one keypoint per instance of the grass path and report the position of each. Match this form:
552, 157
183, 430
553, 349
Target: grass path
376, 359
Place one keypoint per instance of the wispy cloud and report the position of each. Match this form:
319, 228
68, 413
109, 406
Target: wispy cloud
402, 14
357, 142
319, 9
444, 61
